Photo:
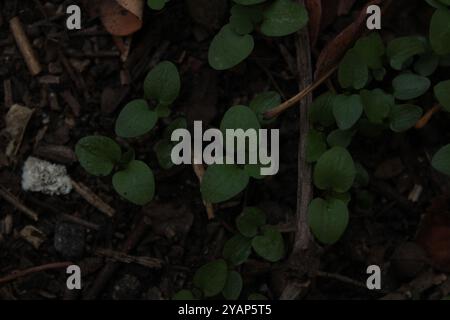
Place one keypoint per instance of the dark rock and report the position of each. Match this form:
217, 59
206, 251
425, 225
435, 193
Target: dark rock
69, 240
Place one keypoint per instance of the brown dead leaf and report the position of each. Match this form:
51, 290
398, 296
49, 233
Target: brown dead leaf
122, 17
315, 19
334, 51
16, 120
434, 233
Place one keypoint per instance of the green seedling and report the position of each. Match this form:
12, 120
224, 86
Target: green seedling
101, 156
234, 42
218, 277
368, 106
222, 182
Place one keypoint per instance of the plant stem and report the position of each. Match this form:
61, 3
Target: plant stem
427, 116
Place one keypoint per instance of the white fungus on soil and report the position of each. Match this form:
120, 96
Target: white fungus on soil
42, 176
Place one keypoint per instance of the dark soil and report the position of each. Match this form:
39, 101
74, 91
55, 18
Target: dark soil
80, 92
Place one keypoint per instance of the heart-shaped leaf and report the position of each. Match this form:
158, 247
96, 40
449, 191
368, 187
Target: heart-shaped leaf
264, 102
322, 110
237, 250
135, 183
269, 245
404, 117
98, 155
249, 222
347, 110
223, 182
377, 105
401, 50
353, 71
442, 93
440, 32
229, 48
211, 278
335, 170
243, 18
163, 83
283, 17
371, 49
316, 145
233, 286
410, 86
135, 119
441, 160
328, 219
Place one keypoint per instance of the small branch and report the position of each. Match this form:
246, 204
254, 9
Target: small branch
300, 96
341, 278
148, 262
5, 194
26, 272
427, 116
93, 199
25, 47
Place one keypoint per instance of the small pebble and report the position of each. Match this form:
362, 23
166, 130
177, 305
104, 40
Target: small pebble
69, 240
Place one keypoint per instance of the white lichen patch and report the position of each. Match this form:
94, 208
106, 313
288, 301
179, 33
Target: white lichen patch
42, 176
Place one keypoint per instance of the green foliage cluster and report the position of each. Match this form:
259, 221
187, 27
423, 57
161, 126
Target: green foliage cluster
367, 106
219, 276
234, 42
222, 182
100, 155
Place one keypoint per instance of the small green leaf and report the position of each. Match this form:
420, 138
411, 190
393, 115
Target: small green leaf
183, 295
163, 150
98, 155
264, 102
410, 86
427, 64
347, 110
442, 93
229, 48
237, 250
223, 182
340, 138
156, 4
233, 286
135, 183
283, 17
328, 219
335, 171
322, 110
212, 277
353, 71
249, 222
163, 83
441, 160
316, 145
404, 117
269, 245
244, 18
135, 119
401, 50
440, 32
371, 50
377, 105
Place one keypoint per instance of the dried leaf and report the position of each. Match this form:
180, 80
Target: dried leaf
122, 17
16, 120
315, 19
335, 50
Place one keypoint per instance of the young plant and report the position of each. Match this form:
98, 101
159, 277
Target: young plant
368, 107
222, 182
234, 42
157, 4
100, 156
219, 277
